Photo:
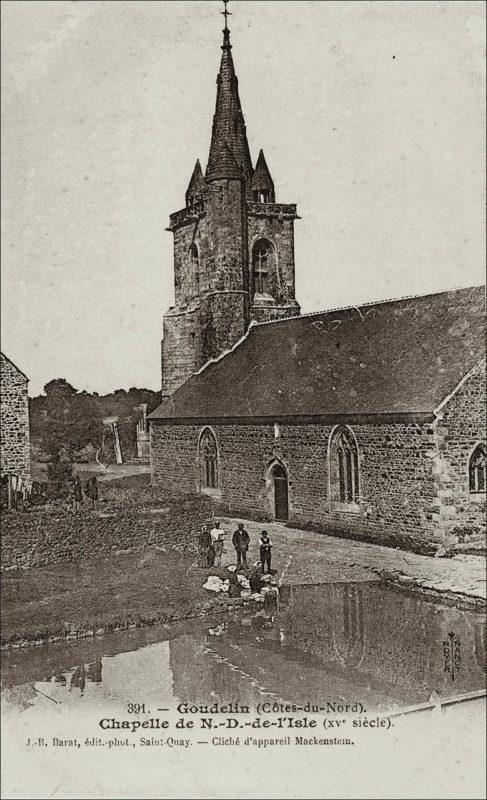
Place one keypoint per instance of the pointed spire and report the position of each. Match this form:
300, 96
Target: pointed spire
197, 184
262, 183
228, 120
225, 165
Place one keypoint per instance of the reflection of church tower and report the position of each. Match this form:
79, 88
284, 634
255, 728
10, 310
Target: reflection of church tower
348, 625
233, 245
202, 675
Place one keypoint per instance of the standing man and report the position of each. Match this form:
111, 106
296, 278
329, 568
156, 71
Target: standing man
77, 493
217, 538
241, 541
265, 545
91, 490
205, 550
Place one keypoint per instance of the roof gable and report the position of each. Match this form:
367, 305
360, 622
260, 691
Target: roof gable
9, 360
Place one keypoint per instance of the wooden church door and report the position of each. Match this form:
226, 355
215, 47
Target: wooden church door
281, 509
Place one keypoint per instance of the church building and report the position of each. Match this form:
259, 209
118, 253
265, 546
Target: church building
364, 421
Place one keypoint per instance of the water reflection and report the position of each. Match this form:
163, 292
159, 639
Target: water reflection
348, 624
328, 642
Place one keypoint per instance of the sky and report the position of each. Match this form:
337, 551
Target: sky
370, 114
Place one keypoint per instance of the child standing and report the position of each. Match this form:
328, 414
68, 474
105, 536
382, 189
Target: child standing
265, 545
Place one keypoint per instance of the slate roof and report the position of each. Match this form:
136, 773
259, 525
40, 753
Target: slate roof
262, 177
197, 183
400, 357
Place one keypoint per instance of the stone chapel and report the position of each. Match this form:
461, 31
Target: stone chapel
364, 421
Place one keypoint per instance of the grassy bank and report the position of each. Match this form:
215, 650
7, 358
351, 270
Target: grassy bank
99, 596
70, 573
127, 518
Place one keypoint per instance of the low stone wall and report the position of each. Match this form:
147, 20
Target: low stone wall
40, 537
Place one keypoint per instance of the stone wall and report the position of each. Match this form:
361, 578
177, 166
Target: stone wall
186, 270
180, 348
397, 482
460, 427
212, 304
211, 309
15, 458
281, 278
41, 536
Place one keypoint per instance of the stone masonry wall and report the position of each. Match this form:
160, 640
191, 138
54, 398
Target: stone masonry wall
186, 271
15, 458
397, 482
460, 427
281, 234
211, 310
180, 348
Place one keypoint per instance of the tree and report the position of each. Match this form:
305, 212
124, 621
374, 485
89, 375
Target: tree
65, 421
70, 421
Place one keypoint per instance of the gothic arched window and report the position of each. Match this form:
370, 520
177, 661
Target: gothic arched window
262, 264
193, 254
477, 470
208, 453
344, 468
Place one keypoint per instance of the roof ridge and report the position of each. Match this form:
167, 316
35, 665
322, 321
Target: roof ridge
224, 353
371, 303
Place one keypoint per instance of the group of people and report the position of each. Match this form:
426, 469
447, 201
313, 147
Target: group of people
90, 489
210, 547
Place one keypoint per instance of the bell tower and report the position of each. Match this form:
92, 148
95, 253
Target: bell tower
233, 245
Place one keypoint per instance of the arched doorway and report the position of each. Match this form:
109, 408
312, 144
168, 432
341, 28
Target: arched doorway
281, 504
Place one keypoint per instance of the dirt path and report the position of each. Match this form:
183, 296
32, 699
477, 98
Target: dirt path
315, 558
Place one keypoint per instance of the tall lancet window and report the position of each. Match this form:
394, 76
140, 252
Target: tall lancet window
208, 453
344, 467
195, 264
262, 263
477, 470
194, 255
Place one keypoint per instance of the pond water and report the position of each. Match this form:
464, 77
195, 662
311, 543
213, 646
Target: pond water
338, 642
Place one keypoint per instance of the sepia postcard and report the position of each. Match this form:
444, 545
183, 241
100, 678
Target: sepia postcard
243, 440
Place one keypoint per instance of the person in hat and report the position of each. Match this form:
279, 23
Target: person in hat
241, 541
265, 546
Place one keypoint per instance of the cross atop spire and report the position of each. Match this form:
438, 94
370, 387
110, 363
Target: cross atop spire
226, 13
226, 33
228, 136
